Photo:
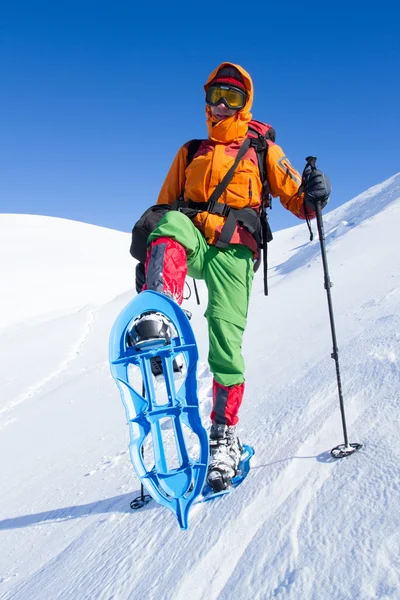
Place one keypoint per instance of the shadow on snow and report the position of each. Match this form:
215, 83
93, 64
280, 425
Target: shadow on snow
108, 505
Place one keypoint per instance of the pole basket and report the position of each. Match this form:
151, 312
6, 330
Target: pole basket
140, 501
342, 450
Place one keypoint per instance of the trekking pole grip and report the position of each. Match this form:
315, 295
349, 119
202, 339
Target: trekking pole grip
312, 162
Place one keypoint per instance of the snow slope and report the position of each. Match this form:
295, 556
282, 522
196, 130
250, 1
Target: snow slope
57, 265
303, 526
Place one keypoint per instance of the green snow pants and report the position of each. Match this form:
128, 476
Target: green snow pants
228, 274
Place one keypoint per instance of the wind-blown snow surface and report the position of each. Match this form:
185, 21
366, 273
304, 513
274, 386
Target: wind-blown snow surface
302, 526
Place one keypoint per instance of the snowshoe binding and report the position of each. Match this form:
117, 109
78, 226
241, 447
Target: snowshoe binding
152, 329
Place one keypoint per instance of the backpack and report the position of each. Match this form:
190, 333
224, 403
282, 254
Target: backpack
259, 134
143, 228
257, 225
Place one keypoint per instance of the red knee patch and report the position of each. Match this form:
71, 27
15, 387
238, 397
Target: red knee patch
166, 268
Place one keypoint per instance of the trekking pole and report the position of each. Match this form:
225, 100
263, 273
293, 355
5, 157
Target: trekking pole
343, 449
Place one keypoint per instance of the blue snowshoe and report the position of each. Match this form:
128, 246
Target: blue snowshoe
153, 336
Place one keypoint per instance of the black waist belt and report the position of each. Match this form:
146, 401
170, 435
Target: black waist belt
246, 217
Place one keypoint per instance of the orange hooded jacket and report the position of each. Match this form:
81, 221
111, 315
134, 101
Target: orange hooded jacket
214, 158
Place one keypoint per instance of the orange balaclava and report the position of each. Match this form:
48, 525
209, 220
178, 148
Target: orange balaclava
232, 128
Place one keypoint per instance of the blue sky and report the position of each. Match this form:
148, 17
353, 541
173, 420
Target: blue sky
97, 97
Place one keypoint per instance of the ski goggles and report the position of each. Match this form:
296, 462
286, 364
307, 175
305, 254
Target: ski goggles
232, 97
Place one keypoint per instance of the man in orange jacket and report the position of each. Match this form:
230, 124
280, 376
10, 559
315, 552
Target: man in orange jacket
204, 248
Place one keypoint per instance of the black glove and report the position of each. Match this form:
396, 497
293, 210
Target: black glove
317, 189
140, 277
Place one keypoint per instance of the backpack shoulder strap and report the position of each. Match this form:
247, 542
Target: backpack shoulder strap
193, 146
259, 143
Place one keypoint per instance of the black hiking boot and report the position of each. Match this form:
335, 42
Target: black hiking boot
225, 453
